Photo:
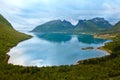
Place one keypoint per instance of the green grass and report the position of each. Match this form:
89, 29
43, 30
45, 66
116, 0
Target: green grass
105, 68
8, 37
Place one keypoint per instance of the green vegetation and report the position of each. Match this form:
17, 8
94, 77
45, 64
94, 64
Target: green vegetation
105, 36
95, 25
105, 68
8, 37
86, 26
110, 33
115, 29
54, 26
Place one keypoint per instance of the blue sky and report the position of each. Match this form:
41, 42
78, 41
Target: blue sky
27, 14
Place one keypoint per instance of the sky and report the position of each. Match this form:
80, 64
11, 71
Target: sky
27, 14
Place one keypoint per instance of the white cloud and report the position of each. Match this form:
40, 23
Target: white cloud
30, 13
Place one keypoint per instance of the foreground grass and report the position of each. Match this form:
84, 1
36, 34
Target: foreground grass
105, 68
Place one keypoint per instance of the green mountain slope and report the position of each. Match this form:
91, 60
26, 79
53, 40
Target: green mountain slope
115, 28
4, 21
111, 32
86, 26
101, 23
92, 26
9, 37
54, 26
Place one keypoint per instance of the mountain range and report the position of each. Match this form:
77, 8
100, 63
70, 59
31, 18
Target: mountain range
88, 26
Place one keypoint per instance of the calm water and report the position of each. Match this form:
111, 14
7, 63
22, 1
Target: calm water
55, 49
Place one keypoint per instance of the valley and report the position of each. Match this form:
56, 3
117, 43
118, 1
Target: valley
103, 68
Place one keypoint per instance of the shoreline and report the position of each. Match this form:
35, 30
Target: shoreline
7, 55
7, 58
104, 36
99, 48
108, 53
107, 50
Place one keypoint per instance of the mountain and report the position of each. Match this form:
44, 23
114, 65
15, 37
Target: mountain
92, 25
4, 21
115, 28
54, 26
9, 37
87, 26
101, 23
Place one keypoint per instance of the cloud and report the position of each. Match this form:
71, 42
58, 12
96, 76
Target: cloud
30, 13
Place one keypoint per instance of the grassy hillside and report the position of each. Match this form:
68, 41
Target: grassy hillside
109, 33
8, 37
86, 27
105, 68
115, 28
95, 25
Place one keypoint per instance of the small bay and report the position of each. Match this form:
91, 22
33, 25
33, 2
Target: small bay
55, 49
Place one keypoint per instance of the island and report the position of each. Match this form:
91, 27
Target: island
88, 48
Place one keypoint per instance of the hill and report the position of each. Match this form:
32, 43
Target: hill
115, 28
54, 26
101, 23
94, 25
9, 37
109, 33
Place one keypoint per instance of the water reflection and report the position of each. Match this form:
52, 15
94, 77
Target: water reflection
54, 37
60, 37
89, 39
